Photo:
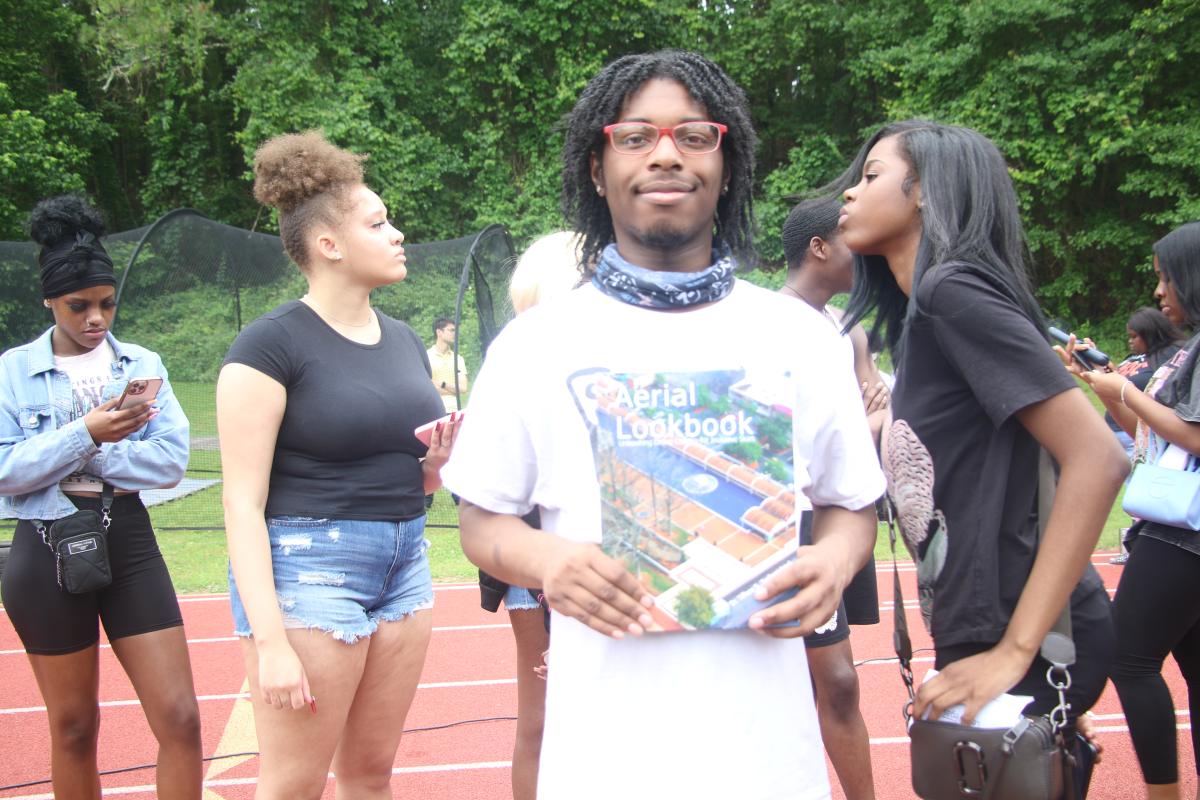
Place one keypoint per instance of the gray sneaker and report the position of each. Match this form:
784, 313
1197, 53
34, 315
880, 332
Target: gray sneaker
1119, 558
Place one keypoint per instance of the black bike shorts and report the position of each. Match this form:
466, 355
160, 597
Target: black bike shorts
140, 598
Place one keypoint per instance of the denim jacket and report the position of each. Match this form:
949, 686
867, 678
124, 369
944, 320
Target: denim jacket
35, 453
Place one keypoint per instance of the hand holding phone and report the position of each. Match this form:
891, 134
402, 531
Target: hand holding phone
424, 433
138, 391
1089, 358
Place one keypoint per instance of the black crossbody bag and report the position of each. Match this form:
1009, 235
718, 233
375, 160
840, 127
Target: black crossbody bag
80, 546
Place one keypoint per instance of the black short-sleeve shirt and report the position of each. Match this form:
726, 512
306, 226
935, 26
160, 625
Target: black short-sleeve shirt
346, 448
971, 359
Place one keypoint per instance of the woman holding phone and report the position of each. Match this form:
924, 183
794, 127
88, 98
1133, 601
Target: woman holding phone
932, 216
325, 483
64, 443
1157, 605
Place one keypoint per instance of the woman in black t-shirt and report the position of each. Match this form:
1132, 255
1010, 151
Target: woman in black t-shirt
932, 217
1157, 607
1153, 340
325, 484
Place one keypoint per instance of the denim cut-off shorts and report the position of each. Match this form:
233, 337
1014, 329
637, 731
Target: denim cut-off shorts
518, 599
344, 577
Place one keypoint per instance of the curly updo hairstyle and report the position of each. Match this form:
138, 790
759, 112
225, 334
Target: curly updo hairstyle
58, 219
307, 180
601, 103
71, 256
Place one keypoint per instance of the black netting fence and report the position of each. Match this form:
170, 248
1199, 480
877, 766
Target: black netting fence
189, 284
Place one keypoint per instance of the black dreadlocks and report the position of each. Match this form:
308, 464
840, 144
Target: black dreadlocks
600, 104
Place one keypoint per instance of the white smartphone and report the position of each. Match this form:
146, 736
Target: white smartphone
139, 391
424, 433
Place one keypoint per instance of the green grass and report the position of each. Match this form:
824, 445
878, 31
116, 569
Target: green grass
199, 401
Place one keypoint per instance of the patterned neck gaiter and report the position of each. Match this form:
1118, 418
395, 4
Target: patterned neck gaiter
649, 288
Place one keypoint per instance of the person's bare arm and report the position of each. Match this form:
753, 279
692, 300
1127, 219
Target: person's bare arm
250, 408
463, 383
1109, 386
1093, 466
1124, 416
876, 397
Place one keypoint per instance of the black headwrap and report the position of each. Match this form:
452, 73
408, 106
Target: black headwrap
71, 265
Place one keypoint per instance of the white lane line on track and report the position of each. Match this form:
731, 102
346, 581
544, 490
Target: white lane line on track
205, 698
117, 791
223, 639
216, 596
220, 782
888, 605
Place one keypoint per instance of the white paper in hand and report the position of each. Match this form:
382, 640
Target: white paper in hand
1003, 712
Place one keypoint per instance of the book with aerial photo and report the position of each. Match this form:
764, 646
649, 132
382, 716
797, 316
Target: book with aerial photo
696, 486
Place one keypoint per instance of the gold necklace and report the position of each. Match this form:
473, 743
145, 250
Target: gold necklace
323, 313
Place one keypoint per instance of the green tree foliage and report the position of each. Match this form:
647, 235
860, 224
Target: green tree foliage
694, 607
147, 106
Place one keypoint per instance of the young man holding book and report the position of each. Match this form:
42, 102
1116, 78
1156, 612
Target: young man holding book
657, 169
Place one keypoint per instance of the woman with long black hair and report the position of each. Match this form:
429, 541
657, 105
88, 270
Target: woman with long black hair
1153, 340
1157, 607
933, 217
64, 446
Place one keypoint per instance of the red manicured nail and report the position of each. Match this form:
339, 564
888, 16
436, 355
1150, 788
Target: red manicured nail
312, 703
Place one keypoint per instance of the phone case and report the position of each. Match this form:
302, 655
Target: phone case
139, 391
424, 433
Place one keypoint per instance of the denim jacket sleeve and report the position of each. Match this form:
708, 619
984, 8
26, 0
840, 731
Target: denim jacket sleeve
33, 453
156, 456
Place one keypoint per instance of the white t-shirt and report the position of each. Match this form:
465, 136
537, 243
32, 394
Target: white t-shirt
714, 714
89, 374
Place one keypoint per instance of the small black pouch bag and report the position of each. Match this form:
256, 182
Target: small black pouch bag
80, 546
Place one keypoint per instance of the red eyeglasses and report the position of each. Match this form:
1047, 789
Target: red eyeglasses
691, 138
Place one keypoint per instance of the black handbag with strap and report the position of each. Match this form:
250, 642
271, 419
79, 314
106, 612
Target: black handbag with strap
1028, 761
80, 546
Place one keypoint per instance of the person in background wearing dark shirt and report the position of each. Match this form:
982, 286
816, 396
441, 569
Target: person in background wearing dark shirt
324, 486
1157, 606
1152, 342
820, 266
932, 214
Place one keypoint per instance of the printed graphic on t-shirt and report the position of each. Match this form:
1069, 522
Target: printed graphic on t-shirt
1143, 437
908, 467
89, 391
87, 388
696, 481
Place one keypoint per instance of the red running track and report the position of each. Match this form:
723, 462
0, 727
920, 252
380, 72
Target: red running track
469, 674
